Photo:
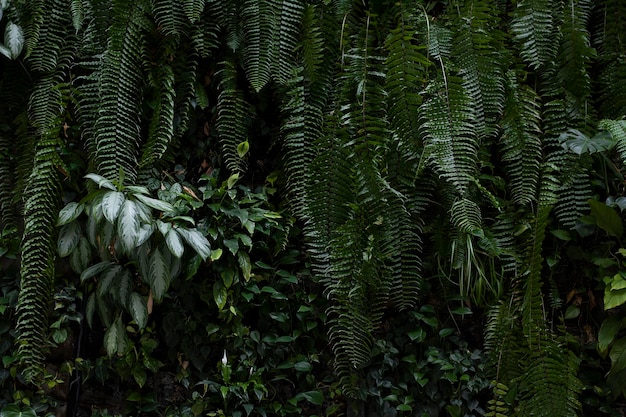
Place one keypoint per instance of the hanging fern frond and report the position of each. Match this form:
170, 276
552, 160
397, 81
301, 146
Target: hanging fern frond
447, 127
232, 117
521, 144
45, 47
534, 29
289, 16
260, 36
171, 19
41, 204
117, 127
617, 129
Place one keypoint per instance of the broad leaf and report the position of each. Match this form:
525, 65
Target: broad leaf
112, 204
13, 410
608, 330
128, 226
158, 276
606, 218
95, 270
245, 265
618, 355
145, 232
115, 338
138, 310
242, 148
69, 213
124, 287
220, 295
14, 39
69, 237
174, 243
101, 181
154, 203
80, 258
579, 143
197, 241
107, 279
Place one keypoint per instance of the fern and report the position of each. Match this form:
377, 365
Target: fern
259, 28
117, 129
41, 203
520, 141
232, 114
534, 29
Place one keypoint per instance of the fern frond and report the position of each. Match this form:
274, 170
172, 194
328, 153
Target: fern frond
232, 117
259, 28
117, 127
171, 19
289, 17
534, 29
617, 129
521, 144
575, 53
449, 136
41, 203
45, 47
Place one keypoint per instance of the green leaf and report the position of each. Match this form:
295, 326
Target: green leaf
107, 278
14, 39
138, 309
158, 276
101, 181
197, 241
124, 287
69, 213
13, 410
572, 312
111, 205
232, 180
314, 397
242, 149
579, 143
220, 295
154, 203
128, 226
69, 237
115, 338
613, 298
606, 218
216, 254
561, 234
245, 265
232, 245
608, 330
136, 189
174, 243
618, 355
302, 366
95, 270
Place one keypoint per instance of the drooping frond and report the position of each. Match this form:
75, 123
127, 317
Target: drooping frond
117, 127
289, 18
522, 153
41, 201
449, 136
46, 45
617, 129
534, 29
232, 114
260, 35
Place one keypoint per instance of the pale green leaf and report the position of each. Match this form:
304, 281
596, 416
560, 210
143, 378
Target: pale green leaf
145, 232
14, 39
5, 51
69, 237
128, 226
242, 149
69, 213
197, 241
154, 203
138, 309
220, 295
115, 338
216, 254
112, 204
174, 243
101, 181
613, 298
78, 14
158, 276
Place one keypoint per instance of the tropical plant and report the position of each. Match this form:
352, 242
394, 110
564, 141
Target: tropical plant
425, 149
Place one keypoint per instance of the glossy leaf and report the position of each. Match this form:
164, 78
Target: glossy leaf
80, 258
154, 203
95, 270
158, 276
174, 243
115, 338
14, 39
138, 309
197, 241
101, 181
112, 204
69, 213
69, 237
128, 225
